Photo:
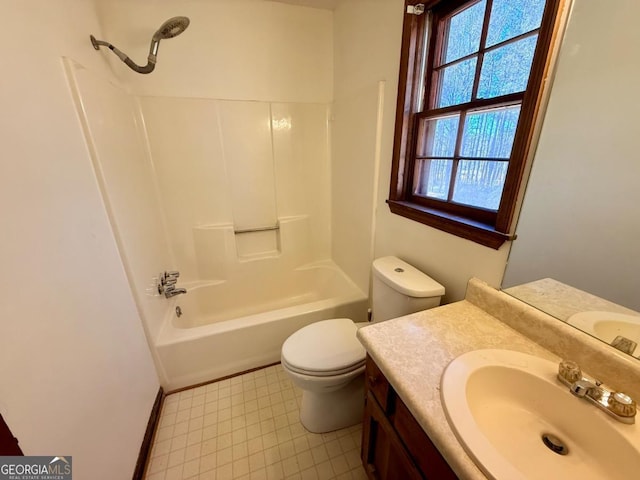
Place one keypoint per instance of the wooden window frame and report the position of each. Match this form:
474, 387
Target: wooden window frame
486, 227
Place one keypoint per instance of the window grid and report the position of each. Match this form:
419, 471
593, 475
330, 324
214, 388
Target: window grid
432, 85
420, 45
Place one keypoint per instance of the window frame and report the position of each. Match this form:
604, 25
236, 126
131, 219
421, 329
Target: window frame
423, 36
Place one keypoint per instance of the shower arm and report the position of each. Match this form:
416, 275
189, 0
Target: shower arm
151, 59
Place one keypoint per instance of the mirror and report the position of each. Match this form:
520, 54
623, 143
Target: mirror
579, 227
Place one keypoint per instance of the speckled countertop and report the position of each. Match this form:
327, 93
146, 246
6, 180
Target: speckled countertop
413, 352
561, 300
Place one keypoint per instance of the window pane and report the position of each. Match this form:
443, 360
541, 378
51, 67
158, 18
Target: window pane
434, 178
490, 133
510, 18
456, 83
506, 69
437, 136
479, 183
463, 33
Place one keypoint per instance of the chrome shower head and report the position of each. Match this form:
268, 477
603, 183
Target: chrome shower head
169, 29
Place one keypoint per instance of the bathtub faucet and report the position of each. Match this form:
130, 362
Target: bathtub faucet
171, 291
167, 284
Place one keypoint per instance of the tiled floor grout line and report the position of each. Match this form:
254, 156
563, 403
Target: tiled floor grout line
247, 427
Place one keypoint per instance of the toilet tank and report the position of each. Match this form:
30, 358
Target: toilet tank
400, 289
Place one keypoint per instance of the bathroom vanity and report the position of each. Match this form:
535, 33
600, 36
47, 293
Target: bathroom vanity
394, 445
406, 433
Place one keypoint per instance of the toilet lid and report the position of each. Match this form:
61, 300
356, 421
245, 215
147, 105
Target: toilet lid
324, 347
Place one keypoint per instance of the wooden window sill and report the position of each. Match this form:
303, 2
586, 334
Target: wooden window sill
462, 227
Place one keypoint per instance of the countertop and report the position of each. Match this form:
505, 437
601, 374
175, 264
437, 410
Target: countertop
413, 352
561, 300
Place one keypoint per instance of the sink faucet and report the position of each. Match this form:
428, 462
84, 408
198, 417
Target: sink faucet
583, 388
624, 344
617, 404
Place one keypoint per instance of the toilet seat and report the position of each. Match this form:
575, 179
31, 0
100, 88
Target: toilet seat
323, 349
323, 373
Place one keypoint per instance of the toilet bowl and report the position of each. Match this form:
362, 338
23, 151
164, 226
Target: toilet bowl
326, 360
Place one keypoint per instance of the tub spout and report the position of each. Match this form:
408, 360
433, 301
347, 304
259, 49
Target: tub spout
171, 291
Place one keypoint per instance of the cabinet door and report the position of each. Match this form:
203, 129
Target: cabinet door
383, 455
376, 382
419, 446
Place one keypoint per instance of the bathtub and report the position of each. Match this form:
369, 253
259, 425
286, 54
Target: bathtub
231, 326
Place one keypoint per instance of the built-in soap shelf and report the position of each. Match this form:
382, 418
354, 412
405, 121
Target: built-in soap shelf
222, 249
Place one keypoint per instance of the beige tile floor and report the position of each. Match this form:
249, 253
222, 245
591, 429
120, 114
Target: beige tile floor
247, 427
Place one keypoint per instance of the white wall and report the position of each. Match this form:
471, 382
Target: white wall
579, 222
367, 50
76, 376
233, 49
363, 42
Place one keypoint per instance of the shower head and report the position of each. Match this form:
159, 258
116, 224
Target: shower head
169, 29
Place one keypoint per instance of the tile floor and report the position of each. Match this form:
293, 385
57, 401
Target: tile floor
247, 427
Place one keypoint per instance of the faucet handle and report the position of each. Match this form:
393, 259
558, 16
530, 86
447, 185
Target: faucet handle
169, 278
569, 371
622, 405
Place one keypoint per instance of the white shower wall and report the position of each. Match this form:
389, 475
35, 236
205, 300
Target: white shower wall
236, 116
112, 127
224, 165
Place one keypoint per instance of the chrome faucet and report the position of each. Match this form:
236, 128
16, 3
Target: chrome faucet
617, 404
584, 388
171, 291
167, 284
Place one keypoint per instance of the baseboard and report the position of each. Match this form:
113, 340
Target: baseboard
201, 384
147, 441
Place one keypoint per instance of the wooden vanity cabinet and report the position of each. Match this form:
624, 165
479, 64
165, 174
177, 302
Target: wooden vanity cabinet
394, 446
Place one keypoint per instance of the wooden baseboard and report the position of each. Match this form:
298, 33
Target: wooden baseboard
222, 378
147, 442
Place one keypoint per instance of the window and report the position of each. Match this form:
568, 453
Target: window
470, 81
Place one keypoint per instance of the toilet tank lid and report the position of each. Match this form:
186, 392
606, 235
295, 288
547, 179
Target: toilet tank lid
406, 278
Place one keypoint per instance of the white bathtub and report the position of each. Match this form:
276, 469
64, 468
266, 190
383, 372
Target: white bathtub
231, 326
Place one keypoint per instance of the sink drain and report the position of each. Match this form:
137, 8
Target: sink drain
554, 444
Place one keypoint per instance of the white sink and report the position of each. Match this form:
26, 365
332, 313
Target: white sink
607, 325
500, 403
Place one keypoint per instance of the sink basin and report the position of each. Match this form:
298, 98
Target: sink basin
510, 413
607, 325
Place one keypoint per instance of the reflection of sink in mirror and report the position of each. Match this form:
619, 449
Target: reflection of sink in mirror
617, 329
517, 421
569, 304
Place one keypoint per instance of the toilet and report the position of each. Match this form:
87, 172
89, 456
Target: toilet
326, 360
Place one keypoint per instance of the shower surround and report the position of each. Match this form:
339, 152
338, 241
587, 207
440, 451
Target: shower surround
225, 166
227, 181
